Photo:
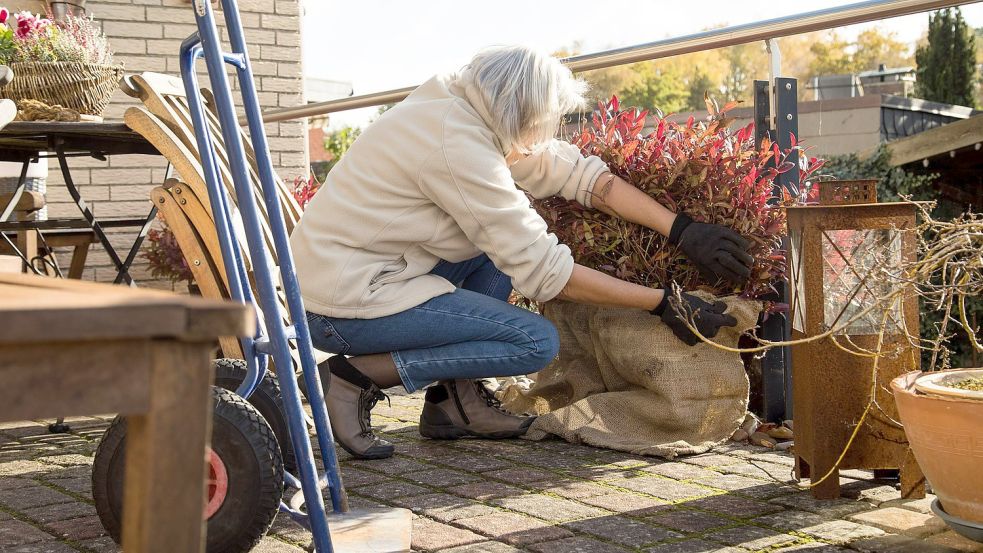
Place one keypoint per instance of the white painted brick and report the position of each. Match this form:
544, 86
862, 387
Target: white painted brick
288, 38
293, 159
250, 20
178, 30
256, 37
123, 13
278, 84
80, 175
286, 69
293, 129
283, 144
136, 161
136, 64
158, 175
130, 193
132, 29
121, 176
60, 210
129, 46
283, 22
136, 208
93, 193
163, 47
256, 6
76, 163
170, 15
289, 100
267, 99
264, 68
280, 53
287, 7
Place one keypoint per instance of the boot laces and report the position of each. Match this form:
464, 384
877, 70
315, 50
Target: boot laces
489, 397
369, 399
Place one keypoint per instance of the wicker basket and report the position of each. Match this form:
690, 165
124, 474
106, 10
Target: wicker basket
84, 87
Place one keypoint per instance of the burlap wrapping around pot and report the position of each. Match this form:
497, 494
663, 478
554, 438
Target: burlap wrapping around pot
624, 381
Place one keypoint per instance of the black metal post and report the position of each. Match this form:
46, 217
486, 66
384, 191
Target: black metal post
776, 368
787, 127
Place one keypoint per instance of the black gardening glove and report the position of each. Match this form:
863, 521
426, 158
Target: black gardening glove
717, 251
708, 317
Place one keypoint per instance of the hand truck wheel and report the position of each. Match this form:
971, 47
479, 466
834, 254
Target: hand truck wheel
229, 374
245, 476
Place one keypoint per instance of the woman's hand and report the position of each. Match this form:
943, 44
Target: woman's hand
717, 251
707, 317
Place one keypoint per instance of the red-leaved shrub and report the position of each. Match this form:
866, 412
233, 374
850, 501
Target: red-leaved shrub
712, 173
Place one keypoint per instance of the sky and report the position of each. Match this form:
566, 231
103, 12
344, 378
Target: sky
382, 44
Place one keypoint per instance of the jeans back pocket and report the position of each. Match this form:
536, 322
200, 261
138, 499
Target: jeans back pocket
324, 336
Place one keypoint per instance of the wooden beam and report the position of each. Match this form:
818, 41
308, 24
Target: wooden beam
934, 142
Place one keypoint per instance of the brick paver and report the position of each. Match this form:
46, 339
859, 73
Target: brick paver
901, 521
477, 496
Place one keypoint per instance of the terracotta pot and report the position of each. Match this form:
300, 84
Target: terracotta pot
944, 433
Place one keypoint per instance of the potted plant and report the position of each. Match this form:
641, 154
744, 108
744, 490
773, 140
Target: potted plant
68, 63
942, 411
163, 254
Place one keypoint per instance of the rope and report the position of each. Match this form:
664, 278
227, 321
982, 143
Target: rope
34, 110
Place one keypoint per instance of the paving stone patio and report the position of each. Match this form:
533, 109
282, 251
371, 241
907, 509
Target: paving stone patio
480, 496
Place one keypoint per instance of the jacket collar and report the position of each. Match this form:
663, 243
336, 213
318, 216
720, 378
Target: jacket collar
462, 85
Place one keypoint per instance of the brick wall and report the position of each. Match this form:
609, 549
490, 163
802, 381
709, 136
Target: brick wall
146, 34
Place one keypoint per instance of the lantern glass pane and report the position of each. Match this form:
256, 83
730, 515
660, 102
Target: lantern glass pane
852, 261
797, 300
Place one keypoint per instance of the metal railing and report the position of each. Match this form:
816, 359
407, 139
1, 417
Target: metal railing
818, 20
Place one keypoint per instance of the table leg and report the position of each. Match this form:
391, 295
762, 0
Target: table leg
135, 248
164, 493
87, 213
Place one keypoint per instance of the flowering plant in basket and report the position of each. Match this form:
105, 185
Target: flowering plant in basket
26, 37
704, 169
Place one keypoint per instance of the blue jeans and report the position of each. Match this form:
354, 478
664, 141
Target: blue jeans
472, 332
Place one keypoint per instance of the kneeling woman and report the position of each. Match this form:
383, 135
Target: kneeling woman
408, 253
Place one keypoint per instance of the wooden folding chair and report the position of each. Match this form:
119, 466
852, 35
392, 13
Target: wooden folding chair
165, 121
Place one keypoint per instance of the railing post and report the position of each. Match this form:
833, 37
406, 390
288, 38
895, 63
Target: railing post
776, 365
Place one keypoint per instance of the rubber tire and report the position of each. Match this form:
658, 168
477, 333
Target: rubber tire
245, 443
229, 374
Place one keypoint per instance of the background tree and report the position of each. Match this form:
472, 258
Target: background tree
654, 87
875, 46
700, 84
979, 65
947, 61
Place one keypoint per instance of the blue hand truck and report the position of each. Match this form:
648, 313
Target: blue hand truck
236, 421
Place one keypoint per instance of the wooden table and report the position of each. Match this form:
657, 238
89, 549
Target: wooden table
24, 141
81, 348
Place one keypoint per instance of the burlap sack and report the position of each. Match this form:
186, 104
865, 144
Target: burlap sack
625, 382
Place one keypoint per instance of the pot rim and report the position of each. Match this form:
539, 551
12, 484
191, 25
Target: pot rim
906, 384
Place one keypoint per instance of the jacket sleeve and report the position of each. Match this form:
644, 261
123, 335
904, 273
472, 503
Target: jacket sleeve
468, 179
559, 170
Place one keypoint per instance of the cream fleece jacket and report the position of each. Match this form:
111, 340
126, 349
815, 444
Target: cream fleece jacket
428, 181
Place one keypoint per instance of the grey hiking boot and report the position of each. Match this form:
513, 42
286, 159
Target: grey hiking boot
457, 408
350, 397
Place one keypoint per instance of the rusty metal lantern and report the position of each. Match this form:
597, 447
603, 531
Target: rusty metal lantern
831, 249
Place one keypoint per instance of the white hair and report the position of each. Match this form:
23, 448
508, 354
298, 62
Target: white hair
526, 92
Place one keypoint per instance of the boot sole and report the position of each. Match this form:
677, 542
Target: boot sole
451, 432
357, 455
